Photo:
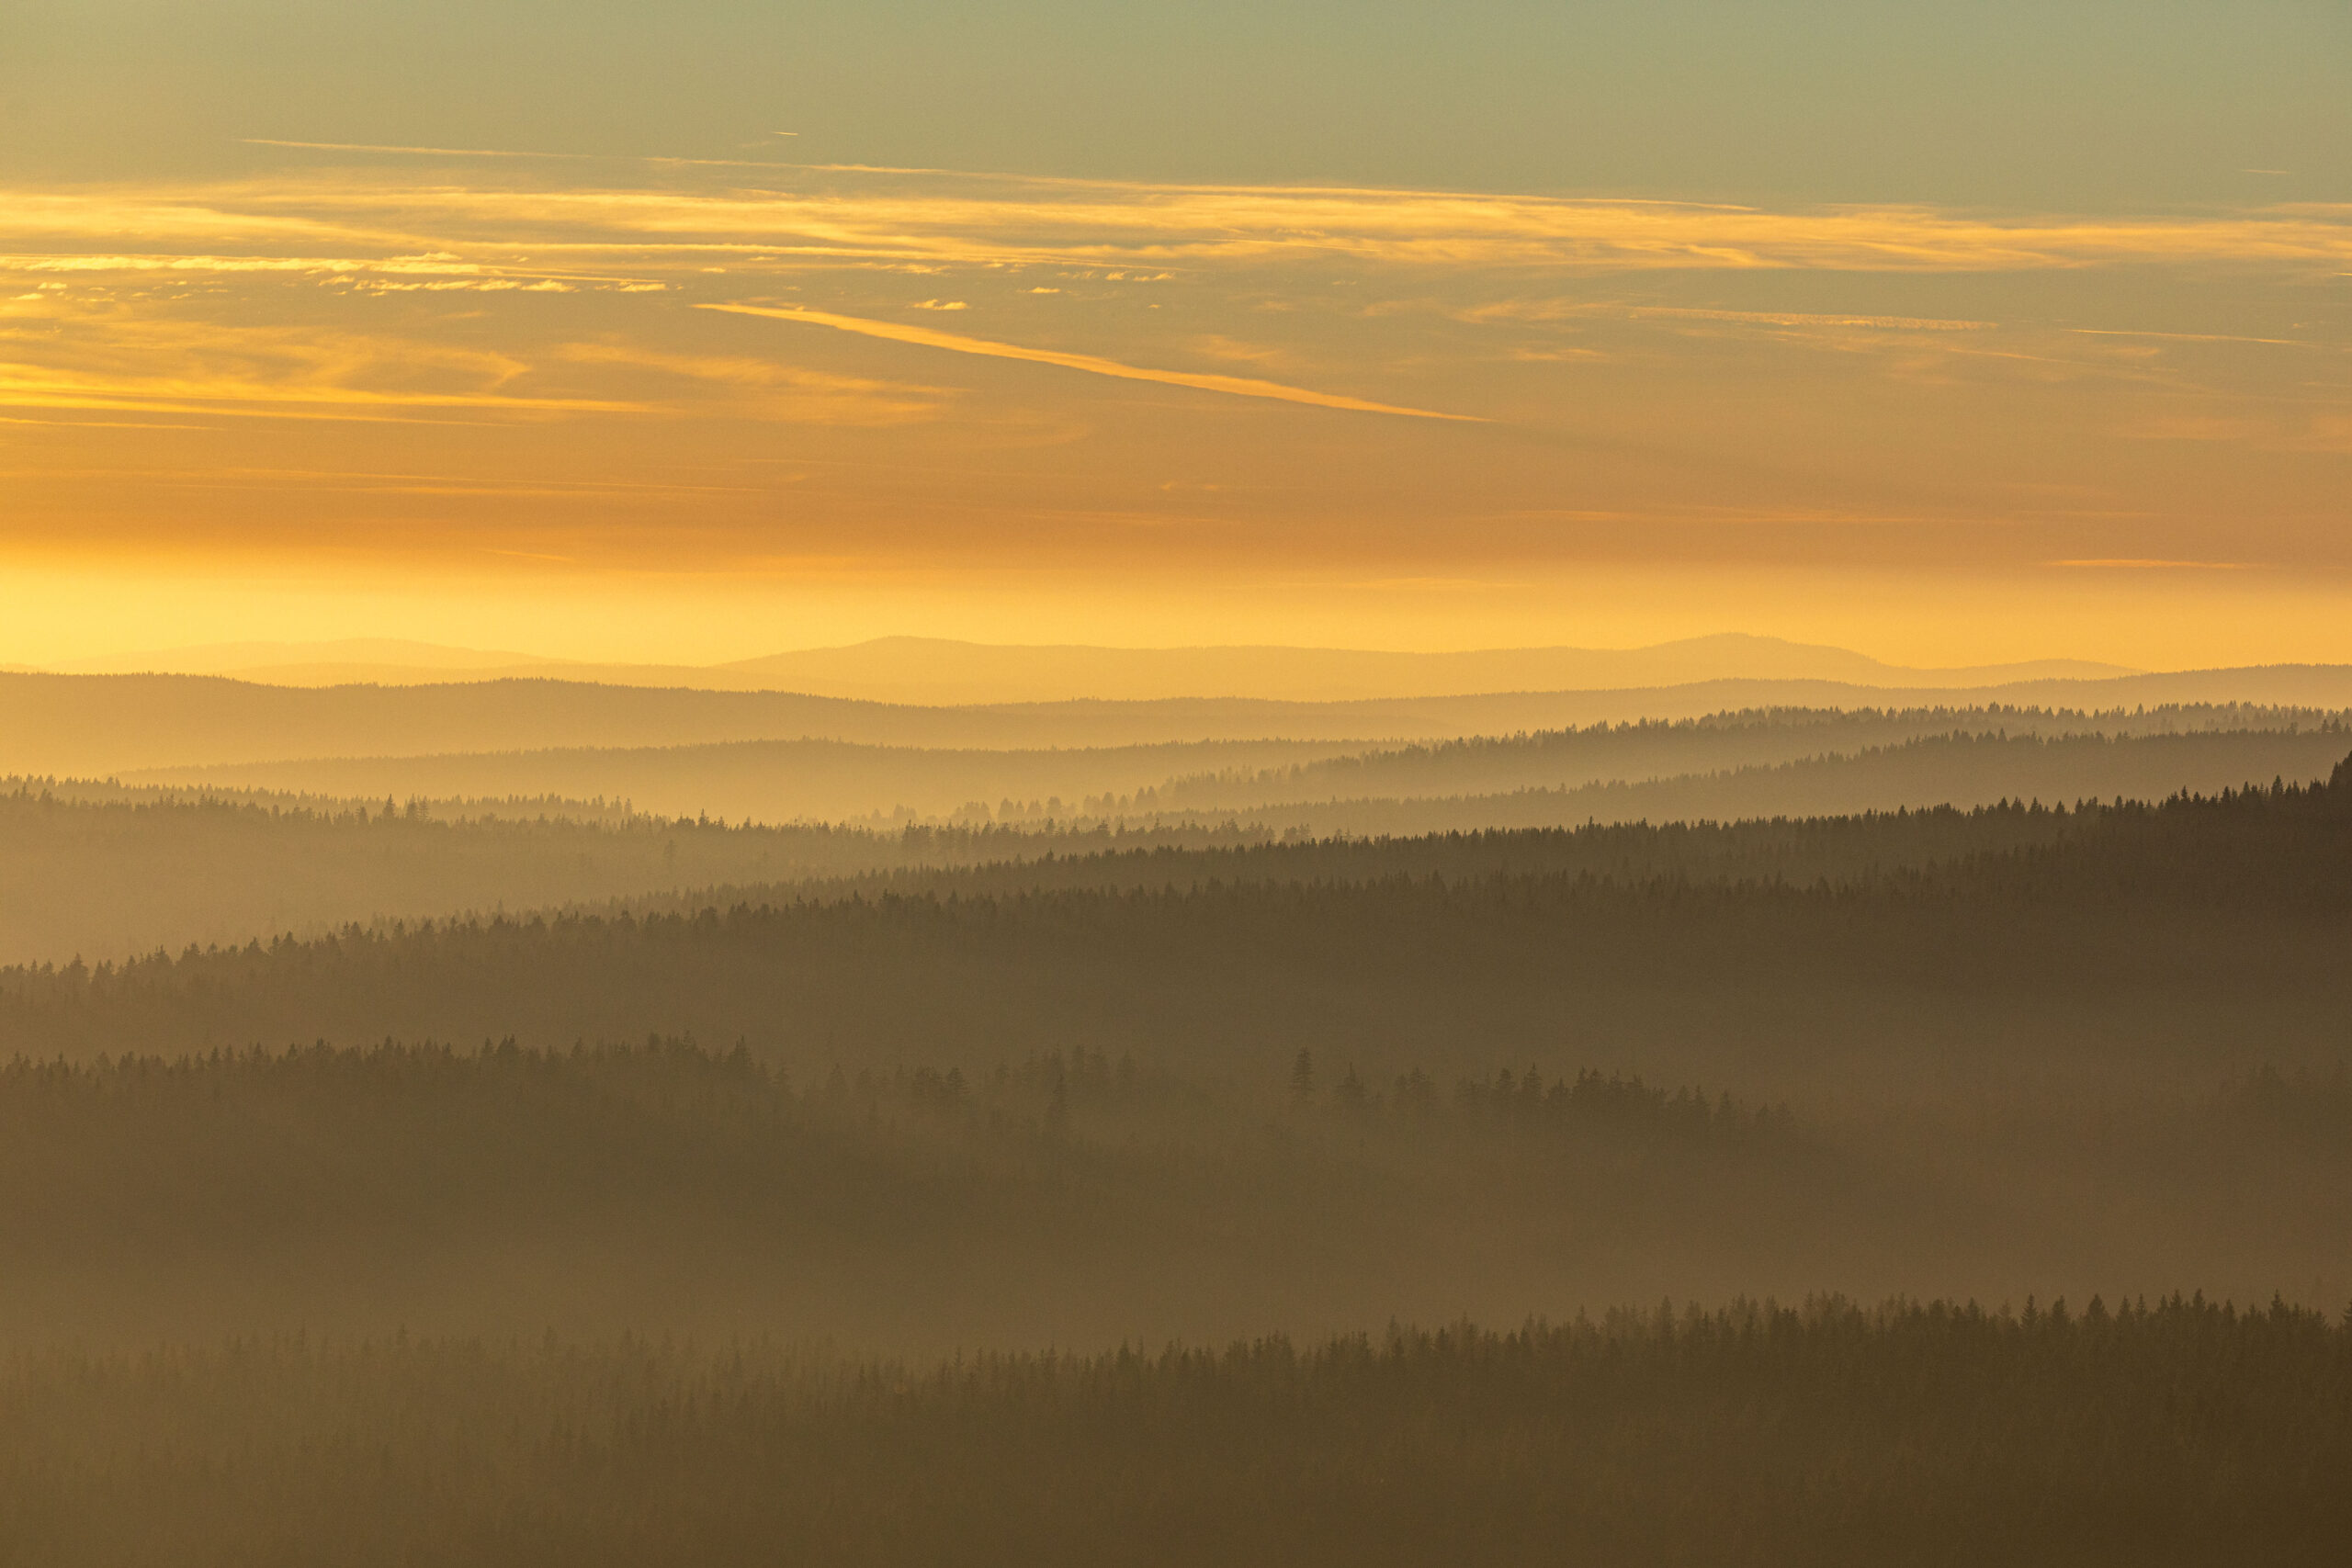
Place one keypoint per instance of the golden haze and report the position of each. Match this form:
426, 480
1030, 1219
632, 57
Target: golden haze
410, 392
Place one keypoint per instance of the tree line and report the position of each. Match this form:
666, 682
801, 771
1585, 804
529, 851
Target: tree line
2173, 922
2171, 1431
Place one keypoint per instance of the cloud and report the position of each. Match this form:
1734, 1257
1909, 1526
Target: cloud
105, 263
1796, 318
425, 152
780, 391
102, 424
253, 297
136, 361
526, 555
29, 385
1219, 347
2138, 564
439, 272
468, 286
2248, 428
1235, 385
1224, 226
2192, 337
1571, 310
927, 216
400, 149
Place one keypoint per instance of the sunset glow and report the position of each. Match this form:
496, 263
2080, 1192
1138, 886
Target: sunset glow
329, 377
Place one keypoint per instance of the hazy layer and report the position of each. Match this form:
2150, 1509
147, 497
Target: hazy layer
91, 726
1868, 953
1729, 769
1084, 1200
1962, 768
936, 670
102, 871
1200, 1093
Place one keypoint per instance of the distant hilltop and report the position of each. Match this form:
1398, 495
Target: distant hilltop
935, 671
91, 726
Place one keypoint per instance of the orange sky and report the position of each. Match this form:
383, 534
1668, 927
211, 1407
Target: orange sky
706, 408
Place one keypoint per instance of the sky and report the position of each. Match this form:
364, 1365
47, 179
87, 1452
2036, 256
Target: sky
698, 331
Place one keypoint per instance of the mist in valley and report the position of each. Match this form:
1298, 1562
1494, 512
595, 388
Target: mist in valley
609, 1108
1059, 786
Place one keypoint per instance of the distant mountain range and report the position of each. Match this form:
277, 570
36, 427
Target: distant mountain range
246, 657
91, 726
934, 672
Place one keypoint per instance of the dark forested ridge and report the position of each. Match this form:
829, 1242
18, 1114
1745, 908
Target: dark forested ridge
1962, 768
964, 1093
2195, 930
1716, 743
1078, 1198
104, 870
97, 724
774, 781
598, 1188
2167, 1432
1782, 761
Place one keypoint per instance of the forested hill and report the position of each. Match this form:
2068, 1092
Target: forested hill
103, 873
1957, 768
2082, 1436
2196, 928
106, 872
1728, 742
2120, 842
112, 723
1073, 1197
1795, 761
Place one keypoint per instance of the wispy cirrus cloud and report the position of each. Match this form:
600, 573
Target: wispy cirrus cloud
129, 360
1632, 348
805, 215
1236, 386
2138, 563
1803, 319
1571, 310
2191, 337
764, 389
32, 385
408, 152
434, 273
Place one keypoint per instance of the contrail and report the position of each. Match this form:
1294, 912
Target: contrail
1240, 385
